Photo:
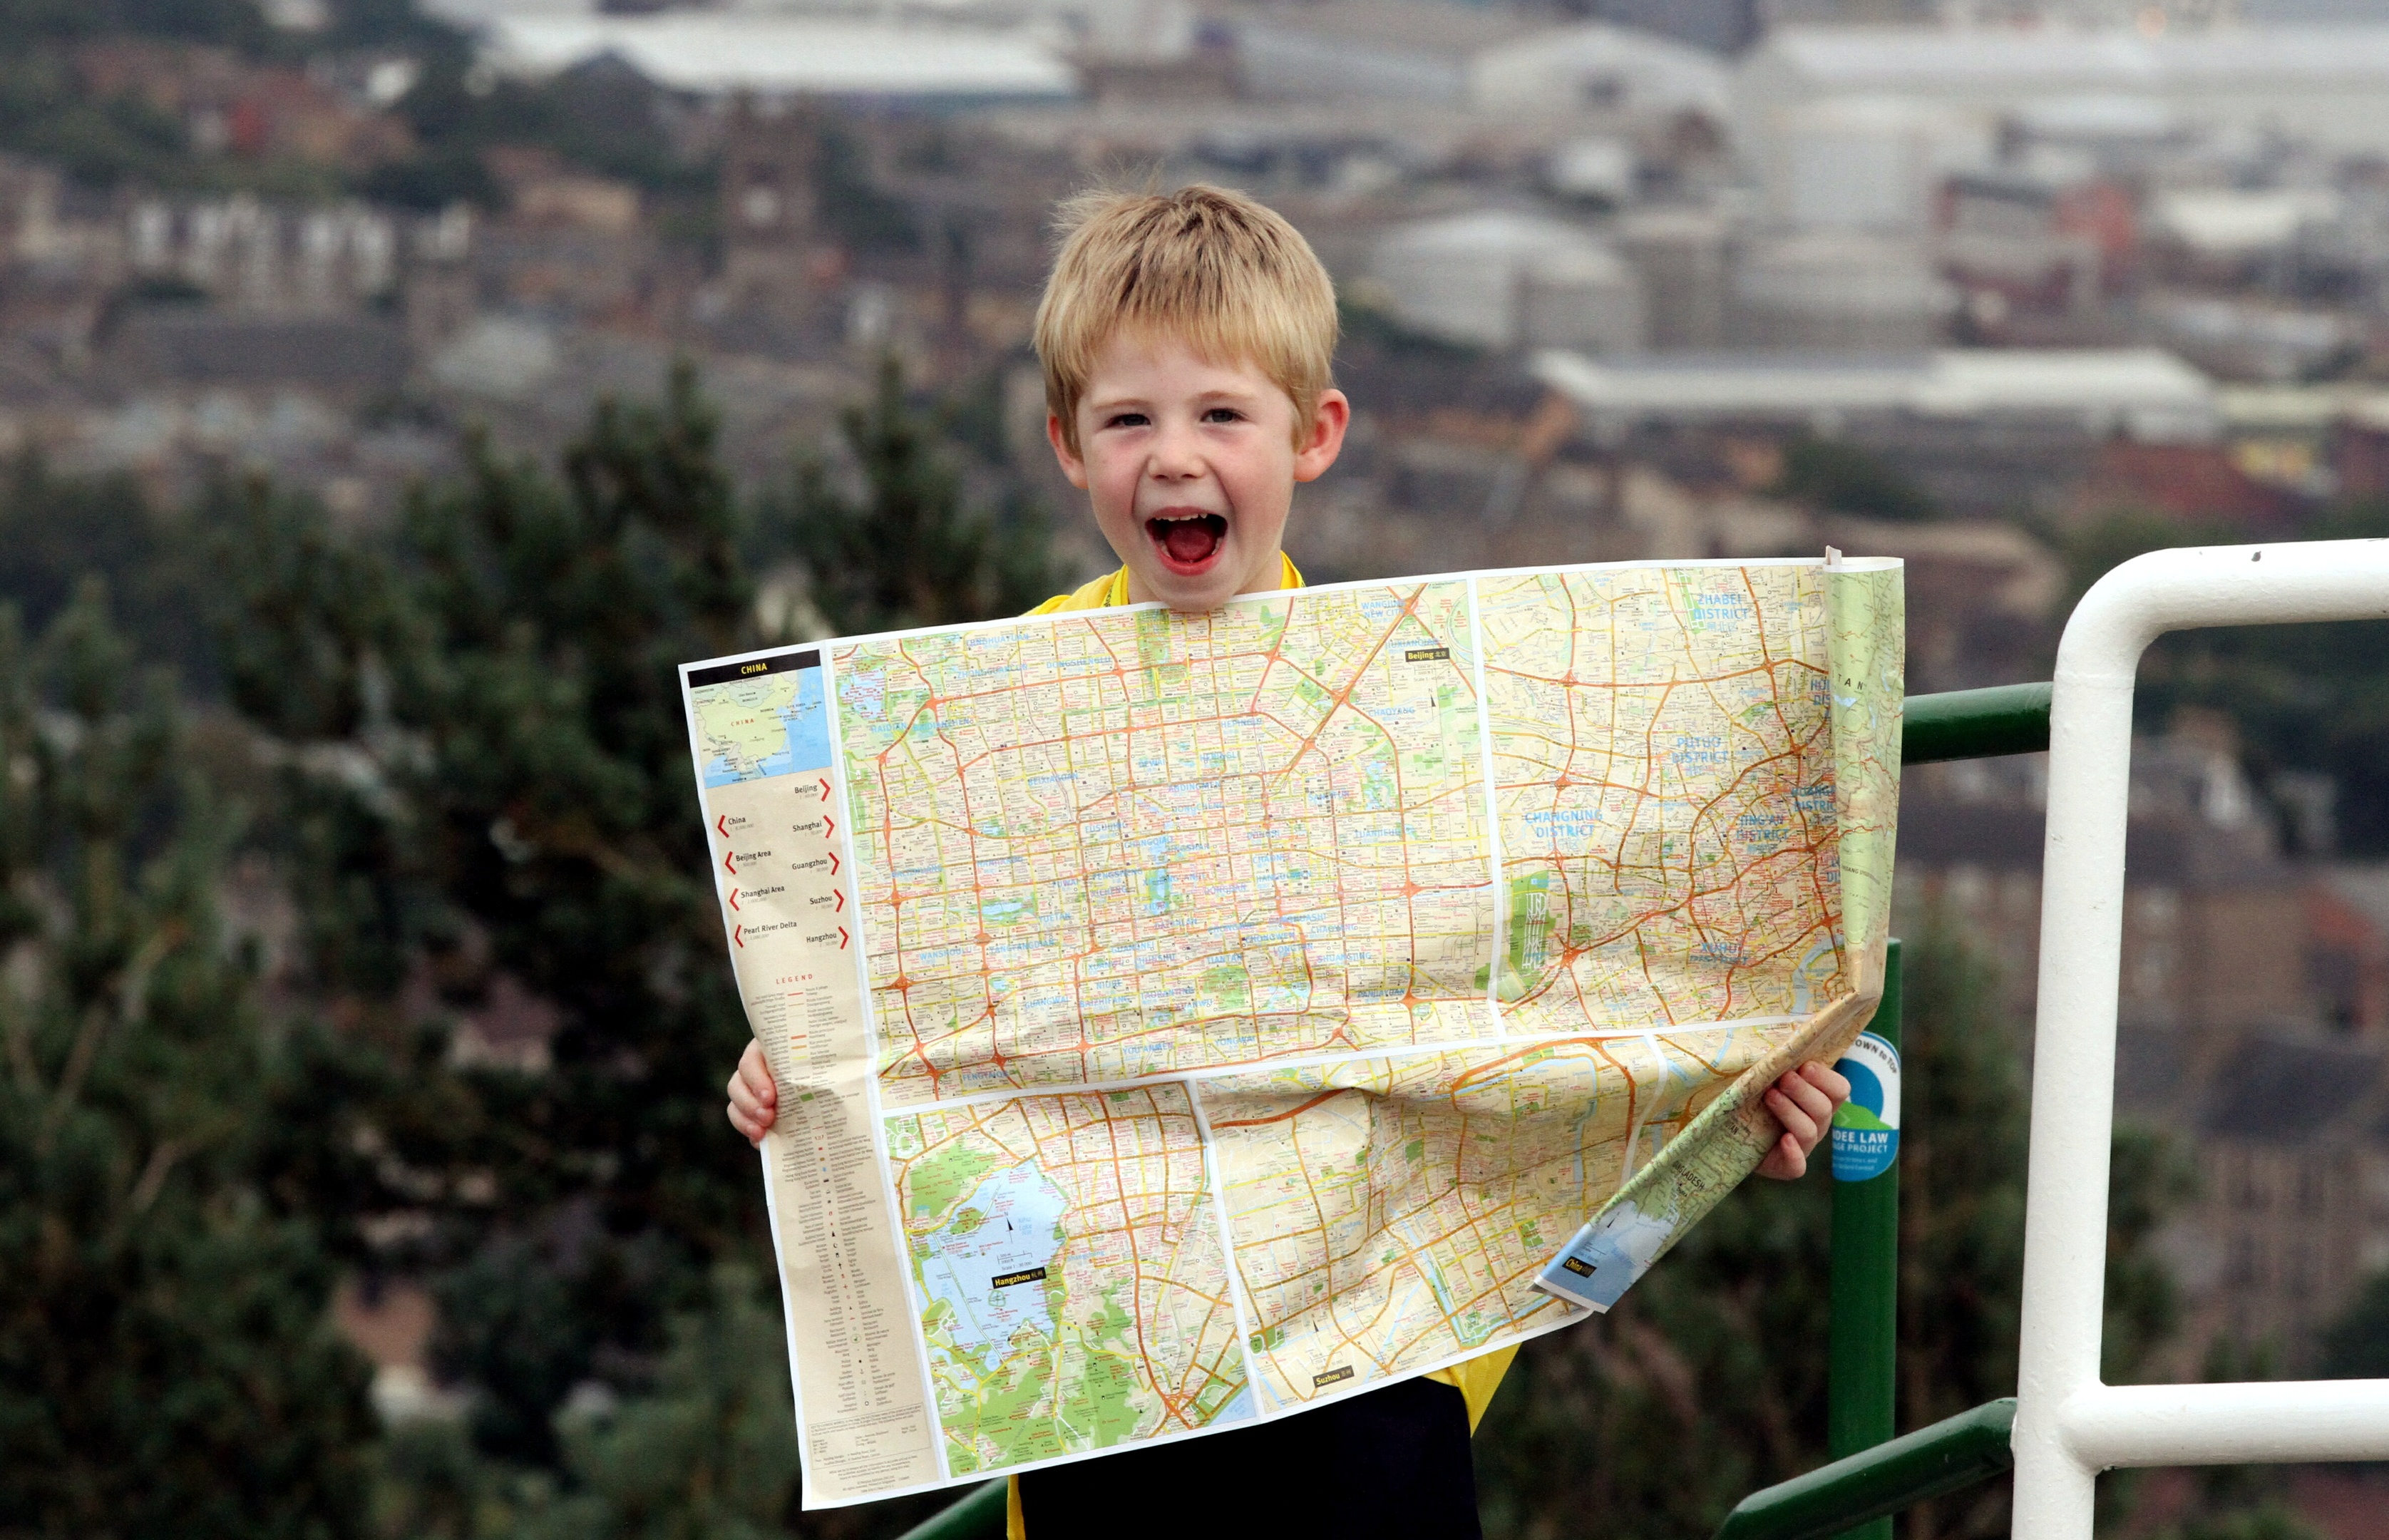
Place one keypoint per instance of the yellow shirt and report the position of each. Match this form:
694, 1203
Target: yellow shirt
1477, 1378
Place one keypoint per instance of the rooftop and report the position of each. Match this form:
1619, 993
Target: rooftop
1457, 32
1956, 58
188, 345
712, 53
2147, 389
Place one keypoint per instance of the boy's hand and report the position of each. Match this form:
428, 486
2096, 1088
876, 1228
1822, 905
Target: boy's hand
1803, 1101
755, 1099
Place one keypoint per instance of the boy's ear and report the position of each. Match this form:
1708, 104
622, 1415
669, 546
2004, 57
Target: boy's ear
1072, 465
1323, 439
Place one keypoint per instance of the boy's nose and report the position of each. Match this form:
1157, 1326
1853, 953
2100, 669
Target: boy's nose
1174, 456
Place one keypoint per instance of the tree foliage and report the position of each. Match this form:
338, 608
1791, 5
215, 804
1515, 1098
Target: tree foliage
487, 778
166, 1362
483, 783
605, 119
59, 531
231, 23
711, 1453
2356, 1344
610, 121
98, 140
2306, 698
1842, 477
906, 551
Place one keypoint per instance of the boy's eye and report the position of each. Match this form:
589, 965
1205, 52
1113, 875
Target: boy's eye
1224, 413
1126, 419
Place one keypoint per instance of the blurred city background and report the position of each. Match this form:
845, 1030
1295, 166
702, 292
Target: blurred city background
392, 390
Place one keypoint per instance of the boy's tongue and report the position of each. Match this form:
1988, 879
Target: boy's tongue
1190, 542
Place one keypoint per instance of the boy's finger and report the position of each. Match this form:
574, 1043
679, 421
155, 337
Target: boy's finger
1796, 1120
1825, 1078
1797, 1090
756, 1071
752, 1108
1809, 1097
1786, 1162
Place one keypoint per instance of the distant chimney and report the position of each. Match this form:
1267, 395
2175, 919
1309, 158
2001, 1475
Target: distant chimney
770, 191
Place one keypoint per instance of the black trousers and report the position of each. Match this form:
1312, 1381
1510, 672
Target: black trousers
1389, 1465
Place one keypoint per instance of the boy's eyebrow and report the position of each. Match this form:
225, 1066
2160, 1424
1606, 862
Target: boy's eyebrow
1100, 401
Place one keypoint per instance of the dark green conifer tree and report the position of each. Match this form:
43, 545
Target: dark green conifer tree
2306, 698
2357, 1345
484, 772
907, 551
488, 775
167, 1365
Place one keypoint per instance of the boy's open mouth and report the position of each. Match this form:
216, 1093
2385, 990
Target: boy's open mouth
1187, 541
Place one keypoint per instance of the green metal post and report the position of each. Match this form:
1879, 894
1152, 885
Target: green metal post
979, 1516
1866, 1290
1951, 1455
2005, 719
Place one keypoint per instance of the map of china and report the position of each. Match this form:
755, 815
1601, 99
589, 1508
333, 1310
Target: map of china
1252, 1003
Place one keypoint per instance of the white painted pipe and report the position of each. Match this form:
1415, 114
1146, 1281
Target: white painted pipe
2081, 941
2277, 1420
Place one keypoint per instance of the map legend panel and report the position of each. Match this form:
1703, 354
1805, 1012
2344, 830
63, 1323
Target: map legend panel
771, 811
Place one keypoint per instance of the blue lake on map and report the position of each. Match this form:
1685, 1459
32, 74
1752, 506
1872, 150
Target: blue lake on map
807, 724
1010, 1225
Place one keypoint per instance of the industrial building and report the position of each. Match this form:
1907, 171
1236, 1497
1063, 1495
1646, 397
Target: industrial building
2322, 83
2142, 393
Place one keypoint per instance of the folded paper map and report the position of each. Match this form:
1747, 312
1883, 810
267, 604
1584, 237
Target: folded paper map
1182, 1021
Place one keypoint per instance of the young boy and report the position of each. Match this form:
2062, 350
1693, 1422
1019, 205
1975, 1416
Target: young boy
1187, 341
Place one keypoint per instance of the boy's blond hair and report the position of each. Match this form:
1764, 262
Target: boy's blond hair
1206, 266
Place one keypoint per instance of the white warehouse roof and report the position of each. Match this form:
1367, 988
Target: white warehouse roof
1957, 58
2325, 83
2146, 390
1484, 58
1566, 69
2235, 221
711, 53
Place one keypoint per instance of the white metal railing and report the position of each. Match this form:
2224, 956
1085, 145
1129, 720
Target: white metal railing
2069, 1426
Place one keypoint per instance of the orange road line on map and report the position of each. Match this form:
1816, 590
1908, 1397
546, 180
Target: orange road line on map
1295, 1112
